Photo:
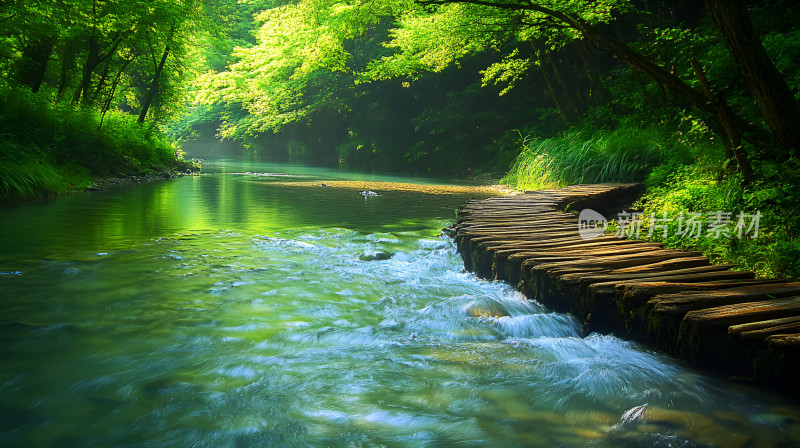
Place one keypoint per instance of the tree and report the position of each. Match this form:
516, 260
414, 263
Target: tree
582, 20
759, 74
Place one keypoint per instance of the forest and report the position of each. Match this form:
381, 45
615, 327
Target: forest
698, 100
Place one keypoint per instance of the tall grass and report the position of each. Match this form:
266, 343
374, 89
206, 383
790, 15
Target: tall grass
22, 174
578, 157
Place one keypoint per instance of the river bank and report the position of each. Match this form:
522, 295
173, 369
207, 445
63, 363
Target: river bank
49, 146
104, 183
70, 184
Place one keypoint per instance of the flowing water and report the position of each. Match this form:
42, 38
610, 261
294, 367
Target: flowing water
236, 310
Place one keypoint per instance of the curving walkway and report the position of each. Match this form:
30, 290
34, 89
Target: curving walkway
674, 300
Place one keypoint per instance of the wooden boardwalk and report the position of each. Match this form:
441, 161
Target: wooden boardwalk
674, 300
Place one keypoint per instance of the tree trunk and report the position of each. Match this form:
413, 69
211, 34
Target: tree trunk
598, 92
734, 141
575, 77
110, 98
564, 109
93, 59
151, 92
67, 59
34, 60
758, 72
101, 82
568, 89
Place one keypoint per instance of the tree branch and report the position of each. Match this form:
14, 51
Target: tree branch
620, 49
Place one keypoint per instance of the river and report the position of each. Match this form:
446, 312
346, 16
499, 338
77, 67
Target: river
234, 309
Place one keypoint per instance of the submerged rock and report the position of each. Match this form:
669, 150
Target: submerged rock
372, 255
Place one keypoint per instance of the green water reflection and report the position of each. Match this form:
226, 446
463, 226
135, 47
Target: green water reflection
130, 214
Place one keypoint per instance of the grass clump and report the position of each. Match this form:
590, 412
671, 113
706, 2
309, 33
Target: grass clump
578, 157
23, 174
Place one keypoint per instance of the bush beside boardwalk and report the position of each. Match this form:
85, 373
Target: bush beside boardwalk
681, 177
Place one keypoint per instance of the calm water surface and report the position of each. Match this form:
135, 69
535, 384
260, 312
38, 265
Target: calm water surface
229, 310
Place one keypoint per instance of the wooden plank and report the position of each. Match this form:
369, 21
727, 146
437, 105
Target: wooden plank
762, 329
531, 236
739, 313
668, 265
618, 261
576, 242
792, 340
591, 254
639, 292
681, 303
689, 275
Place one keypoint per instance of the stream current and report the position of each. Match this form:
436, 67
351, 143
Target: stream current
234, 309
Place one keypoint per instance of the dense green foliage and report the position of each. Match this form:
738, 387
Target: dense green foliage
84, 84
320, 78
326, 82
771, 250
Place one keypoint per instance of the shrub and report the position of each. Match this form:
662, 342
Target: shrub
699, 189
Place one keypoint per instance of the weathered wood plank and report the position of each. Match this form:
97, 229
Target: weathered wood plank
637, 293
762, 329
682, 303
704, 339
785, 340
689, 275
739, 313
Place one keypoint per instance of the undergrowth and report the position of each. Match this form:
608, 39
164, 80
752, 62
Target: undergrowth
694, 207
49, 146
22, 173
